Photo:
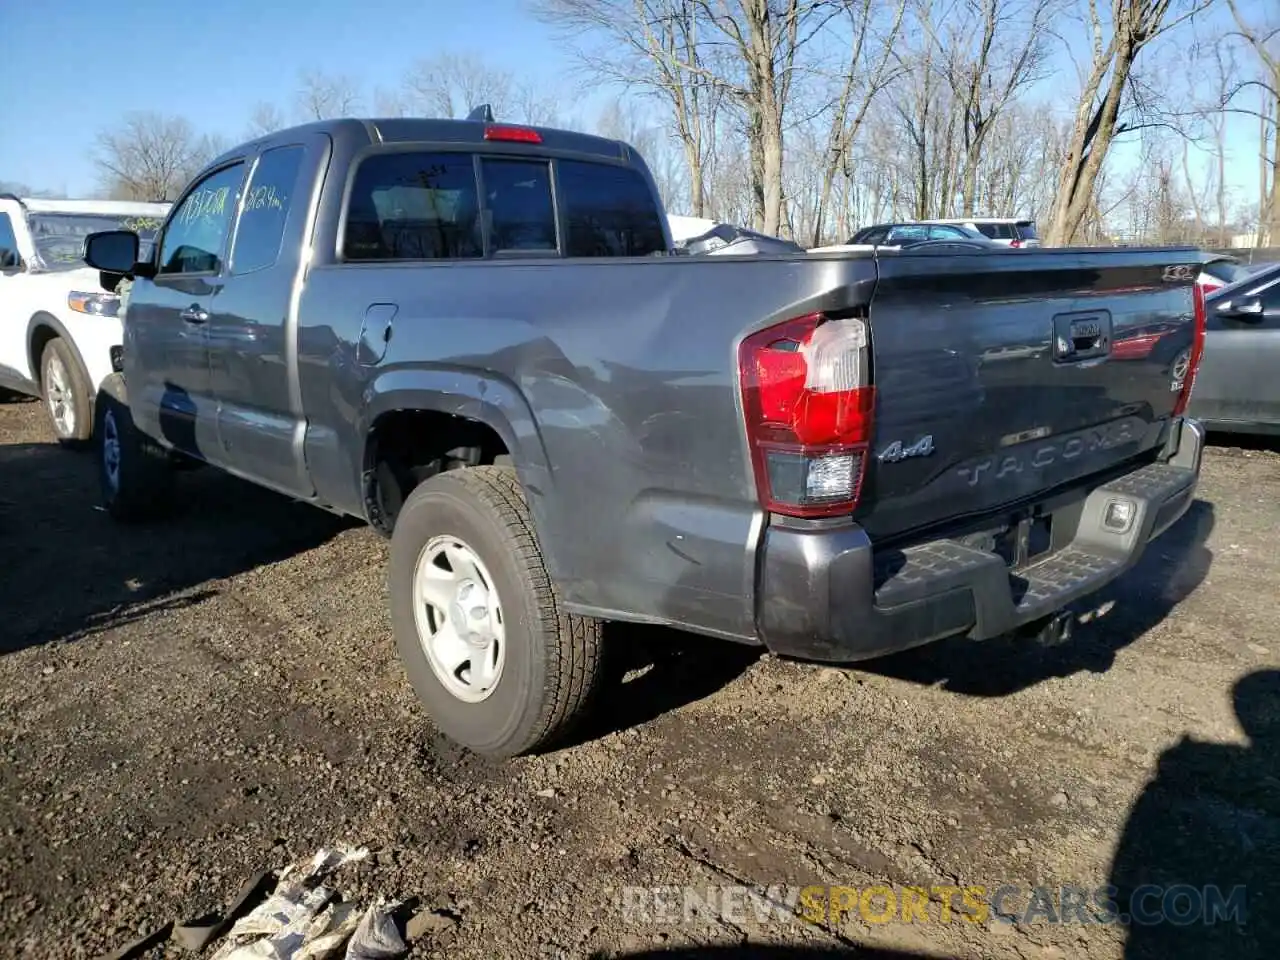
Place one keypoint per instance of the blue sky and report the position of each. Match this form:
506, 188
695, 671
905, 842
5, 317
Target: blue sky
176, 58
213, 62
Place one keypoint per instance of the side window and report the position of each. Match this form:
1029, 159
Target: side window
517, 202
266, 208
609, 210
988, 230
7, 239
945, 233
197, 232
413, 206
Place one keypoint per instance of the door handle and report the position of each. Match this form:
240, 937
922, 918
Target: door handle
194, 314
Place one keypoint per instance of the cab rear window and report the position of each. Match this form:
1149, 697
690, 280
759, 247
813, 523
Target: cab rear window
414, 206
609, 211
436, 206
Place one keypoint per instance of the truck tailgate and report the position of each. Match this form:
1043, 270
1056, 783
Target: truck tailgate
1002, 376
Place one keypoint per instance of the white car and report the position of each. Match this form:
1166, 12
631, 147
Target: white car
1008, 231
57, 324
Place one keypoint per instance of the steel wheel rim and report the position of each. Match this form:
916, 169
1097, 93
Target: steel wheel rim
111, 450
459, 618
58, 396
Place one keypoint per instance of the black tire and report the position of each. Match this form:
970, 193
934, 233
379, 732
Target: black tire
141, 485
552, 663
73, 392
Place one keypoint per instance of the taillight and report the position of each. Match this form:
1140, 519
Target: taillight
512, 134
1195, 351
1015, 243
809, 407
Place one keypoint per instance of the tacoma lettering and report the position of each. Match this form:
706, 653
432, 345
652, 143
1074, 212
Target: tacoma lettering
1046, 454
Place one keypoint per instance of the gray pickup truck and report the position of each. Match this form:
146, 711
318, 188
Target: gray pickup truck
478, 338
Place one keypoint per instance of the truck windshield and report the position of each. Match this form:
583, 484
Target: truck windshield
59, 237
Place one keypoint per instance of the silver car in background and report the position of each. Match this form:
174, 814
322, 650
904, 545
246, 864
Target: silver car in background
1238, 387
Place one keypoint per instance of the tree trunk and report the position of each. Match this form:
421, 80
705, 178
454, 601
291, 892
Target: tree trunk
1090, 140
969, 188
1273, 221
771, 171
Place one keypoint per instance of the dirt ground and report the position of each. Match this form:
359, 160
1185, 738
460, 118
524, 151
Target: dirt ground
184, 705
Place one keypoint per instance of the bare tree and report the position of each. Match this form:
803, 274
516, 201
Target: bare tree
743, 53
1117, 41
921, 109
327, 96
451, 85
623, 119
23, 190
150, 156
655, 48
266, 118
869, 70
1263, 40
767, 37
1218, 123
996, 50
391, 103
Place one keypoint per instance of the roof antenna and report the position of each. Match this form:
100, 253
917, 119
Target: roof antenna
483, 113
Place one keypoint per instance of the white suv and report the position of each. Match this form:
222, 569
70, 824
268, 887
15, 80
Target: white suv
1008, 231
57, 325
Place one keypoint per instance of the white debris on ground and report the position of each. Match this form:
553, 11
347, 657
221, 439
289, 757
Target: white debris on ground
304, 919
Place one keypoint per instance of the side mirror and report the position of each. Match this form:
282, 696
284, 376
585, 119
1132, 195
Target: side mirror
112, 251
10, 260
1243, 308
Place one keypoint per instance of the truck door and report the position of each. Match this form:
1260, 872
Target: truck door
252, 328
1238, 380
166, 354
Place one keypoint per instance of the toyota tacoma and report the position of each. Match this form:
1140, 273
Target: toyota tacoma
478, 338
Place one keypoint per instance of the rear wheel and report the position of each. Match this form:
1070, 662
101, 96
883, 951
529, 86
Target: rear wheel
499, 664
134, 473
65, 388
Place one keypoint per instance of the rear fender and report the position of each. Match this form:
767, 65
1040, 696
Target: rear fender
493, 401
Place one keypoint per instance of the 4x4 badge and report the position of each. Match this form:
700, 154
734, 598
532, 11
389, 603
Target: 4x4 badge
898, 451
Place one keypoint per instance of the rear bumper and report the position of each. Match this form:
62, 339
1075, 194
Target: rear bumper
828, 595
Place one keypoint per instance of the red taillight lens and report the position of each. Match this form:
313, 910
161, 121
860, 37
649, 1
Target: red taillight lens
1015, 243
809, 407
1195, 351
512, 134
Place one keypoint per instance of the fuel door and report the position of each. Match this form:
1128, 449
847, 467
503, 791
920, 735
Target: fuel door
375, 333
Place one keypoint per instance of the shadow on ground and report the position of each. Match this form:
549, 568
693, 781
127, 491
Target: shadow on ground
1227, 444
69, 570
1170, 570
651, 671
1197, 868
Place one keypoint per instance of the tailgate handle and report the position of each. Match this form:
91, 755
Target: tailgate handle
1081, 336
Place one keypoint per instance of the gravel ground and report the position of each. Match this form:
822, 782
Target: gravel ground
184, 705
